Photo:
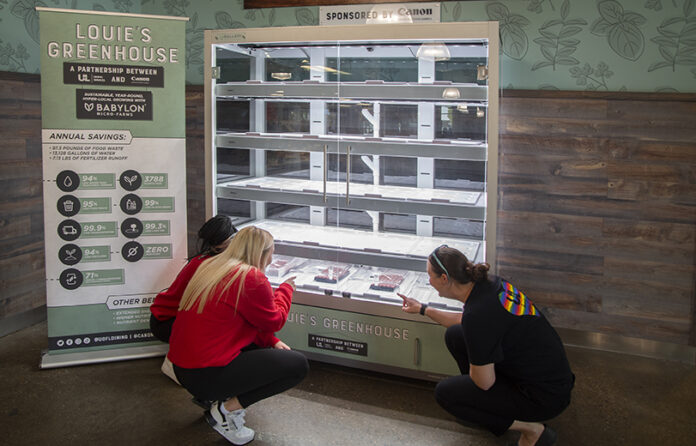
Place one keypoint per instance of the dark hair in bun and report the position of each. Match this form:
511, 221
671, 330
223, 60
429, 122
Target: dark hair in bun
213, 233
457, 266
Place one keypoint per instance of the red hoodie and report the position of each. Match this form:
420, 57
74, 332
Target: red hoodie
166, 303
215, 336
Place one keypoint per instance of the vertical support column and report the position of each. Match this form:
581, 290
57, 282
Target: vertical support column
257, 123
426, 131
426, 166
317, 126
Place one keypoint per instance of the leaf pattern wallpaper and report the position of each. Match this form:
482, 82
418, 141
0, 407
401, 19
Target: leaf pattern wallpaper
605, 45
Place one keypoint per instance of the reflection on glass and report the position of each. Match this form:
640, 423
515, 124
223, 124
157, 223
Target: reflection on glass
460, 122
460, 70
366, 69
398, 171
399, 120
287, 212
436, 51
278, 69
287, 164
232, 163
458, 227
398, 223
234, 67
232, 116
239, 210
461, 175
344, 218
287, 117
354, 119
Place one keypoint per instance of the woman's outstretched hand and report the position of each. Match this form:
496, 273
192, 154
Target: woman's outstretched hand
280, 345
410, 305
291, 281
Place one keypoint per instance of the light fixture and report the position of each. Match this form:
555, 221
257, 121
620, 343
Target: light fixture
436, 51
320, 68
463, 108
479, 112
450, 93
281, 76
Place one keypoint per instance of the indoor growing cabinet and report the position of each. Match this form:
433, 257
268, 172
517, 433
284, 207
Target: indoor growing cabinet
361, 149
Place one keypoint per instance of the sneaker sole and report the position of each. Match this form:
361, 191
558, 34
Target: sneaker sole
219, 429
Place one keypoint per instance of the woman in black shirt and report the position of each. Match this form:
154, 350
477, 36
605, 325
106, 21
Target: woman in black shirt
515, 373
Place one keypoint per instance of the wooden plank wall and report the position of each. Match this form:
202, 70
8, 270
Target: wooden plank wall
22, 274
597, 209
597, 205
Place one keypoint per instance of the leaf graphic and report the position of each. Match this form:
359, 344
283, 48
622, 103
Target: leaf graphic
544, 41
305, 17
688, 7
497, 11
548, 34
611, 11
665, 41
457, 12
627, 41
518, 20
271, 17
26, 9
541, 64
551, 23
223, 20
548, 53
565, 8
569, 42
567, 61
514, 41
634, 19
601, 27
568, 31
654, 4
566, 51
668, 53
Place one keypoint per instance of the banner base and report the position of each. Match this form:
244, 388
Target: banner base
52, 360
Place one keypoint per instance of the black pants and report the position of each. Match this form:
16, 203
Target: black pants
495, 408
255, 374
161, 329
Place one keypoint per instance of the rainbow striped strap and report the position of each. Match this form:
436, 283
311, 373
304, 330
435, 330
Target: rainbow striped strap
515, 302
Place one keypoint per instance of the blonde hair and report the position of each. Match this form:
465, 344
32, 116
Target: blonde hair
248, 249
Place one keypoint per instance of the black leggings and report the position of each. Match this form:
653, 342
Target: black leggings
255, 374
161, 329
495, 408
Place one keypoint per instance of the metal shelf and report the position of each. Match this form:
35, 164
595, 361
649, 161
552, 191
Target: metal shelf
394, 250
354, 90
394, 199
466, 150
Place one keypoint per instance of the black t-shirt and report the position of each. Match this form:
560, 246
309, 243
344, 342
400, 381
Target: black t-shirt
502, 326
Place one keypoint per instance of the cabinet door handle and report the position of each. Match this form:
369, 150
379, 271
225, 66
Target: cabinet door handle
348, 149
325, 170
416, 351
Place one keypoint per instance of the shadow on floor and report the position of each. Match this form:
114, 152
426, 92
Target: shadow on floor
618, 400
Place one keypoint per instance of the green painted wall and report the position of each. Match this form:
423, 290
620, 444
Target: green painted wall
606, 45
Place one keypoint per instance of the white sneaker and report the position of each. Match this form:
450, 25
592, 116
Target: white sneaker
230, 426
168, 369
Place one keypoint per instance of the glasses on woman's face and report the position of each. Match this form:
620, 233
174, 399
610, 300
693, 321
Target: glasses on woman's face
439, 263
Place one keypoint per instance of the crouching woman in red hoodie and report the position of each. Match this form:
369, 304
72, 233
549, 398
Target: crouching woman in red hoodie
223, 345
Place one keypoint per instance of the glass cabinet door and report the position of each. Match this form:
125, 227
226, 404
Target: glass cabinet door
359, 156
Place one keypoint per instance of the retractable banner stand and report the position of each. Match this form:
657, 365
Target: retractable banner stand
114, 178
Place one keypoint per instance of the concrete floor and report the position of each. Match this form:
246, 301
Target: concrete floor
618, 400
